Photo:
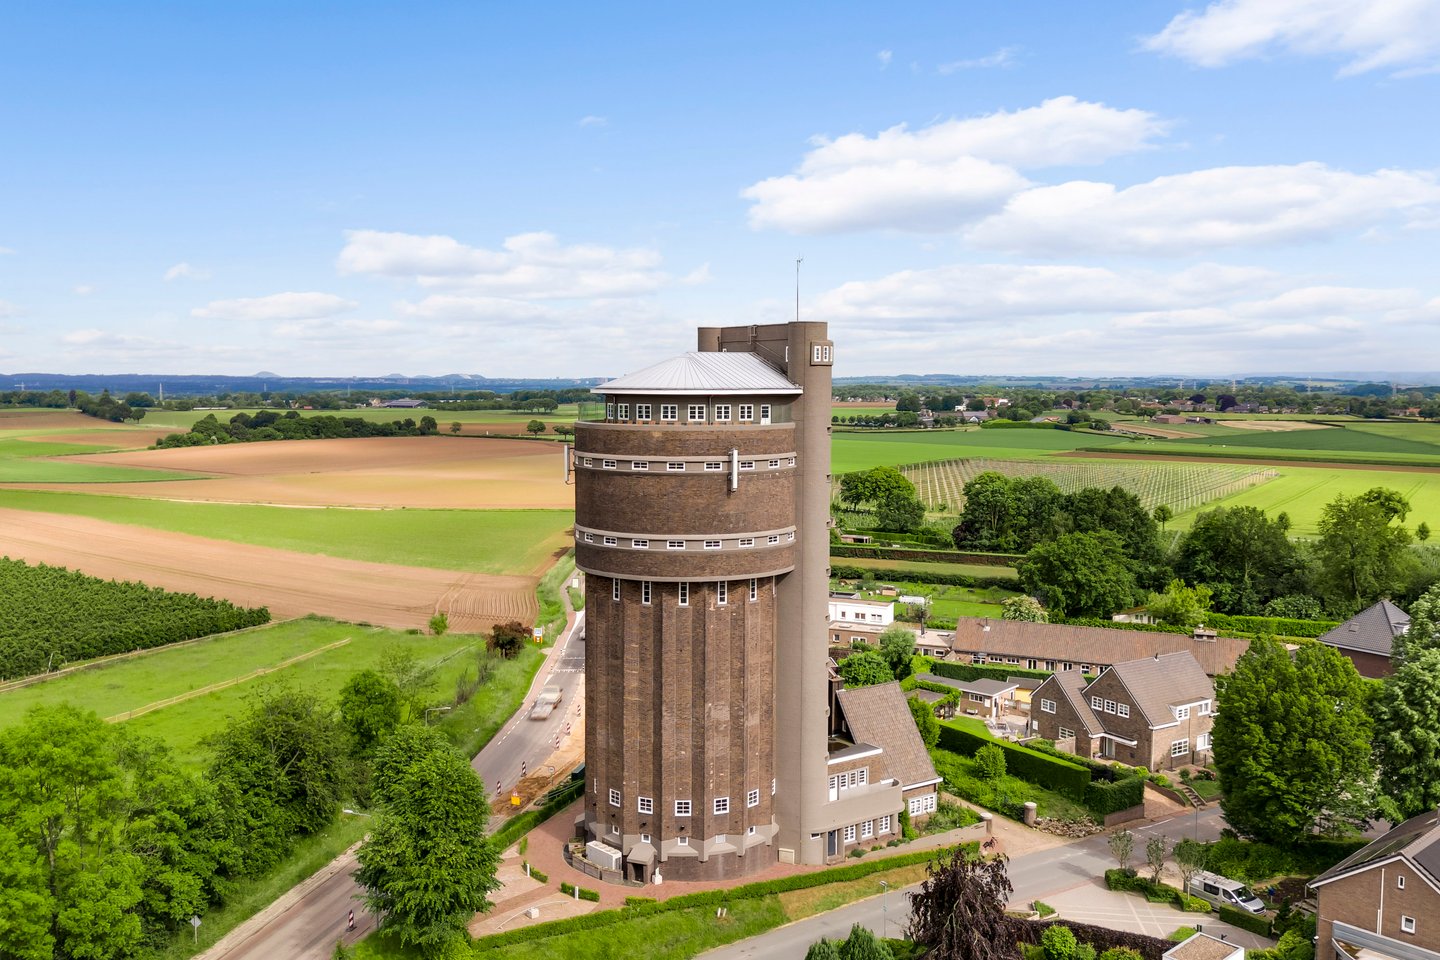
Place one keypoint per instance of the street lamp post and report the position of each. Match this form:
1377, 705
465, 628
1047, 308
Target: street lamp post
884, 909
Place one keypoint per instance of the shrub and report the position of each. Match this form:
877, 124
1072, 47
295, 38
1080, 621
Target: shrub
1106, 798
1245, 920
1058, 775
592, 895
857, 852
990, 762
1059, 943
638, 901
1253, 861
1120, 953
439, 623
1044, 909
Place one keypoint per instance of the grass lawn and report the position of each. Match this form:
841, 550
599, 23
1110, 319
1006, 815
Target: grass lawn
482, 541
964, 569
861, 451
962, 780
1302, 491
1208, 789
951, 602
128, 685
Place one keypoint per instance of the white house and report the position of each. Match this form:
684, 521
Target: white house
854, 619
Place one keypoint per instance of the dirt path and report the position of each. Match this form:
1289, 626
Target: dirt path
291, 584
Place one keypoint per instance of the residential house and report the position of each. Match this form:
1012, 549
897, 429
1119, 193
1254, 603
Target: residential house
1156, 712
1383, 901
1202, 946
984, 697
1060, 647
1367, 637
852, 618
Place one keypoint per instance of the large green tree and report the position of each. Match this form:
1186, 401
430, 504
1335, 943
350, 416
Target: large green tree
1362, 548
899, 513
427, 867
1292, 743
1080, 574
370, 708
873, 485
1243, 556
1424, 630
1179, 605
897, 646
865, 669
1008, 513
925, 721
1407, 734
1119, 511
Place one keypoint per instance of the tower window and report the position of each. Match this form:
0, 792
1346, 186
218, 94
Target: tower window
640, 544
714, 465
754, 589
712, 544
615, 588
646, 804
752, 799
639, 464
644, 591
774, 464
674, 544
722, 593
722, 804
747, 541
611, 541
773, 539
614, 798
682, 808
608, 464
675, 466
684, 594
747, 464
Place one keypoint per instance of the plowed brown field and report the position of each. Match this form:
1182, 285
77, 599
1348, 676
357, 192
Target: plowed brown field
290, 584
434, 472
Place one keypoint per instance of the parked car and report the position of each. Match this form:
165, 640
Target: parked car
1224, 892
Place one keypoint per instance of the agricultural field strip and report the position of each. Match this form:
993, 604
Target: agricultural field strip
223, 684
1181, 487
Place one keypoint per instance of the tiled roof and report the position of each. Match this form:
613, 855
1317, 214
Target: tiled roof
879, 714
1372, 630
1417, 840
1157, 683
1094, 645
707, 373
1072, 686
985, 686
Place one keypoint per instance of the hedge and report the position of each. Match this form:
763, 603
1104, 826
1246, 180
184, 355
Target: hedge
1023, 425
1232, 626
1155, 892
924, 556
585, 894
842, 571
1052, 772
929, 539
1253, 862
1101, 938
712, 898
1245, 920
1106, 798
971, 671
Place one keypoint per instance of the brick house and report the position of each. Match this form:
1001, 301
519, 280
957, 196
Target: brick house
1384, 899
1155, 712
1367, 637
1060, 646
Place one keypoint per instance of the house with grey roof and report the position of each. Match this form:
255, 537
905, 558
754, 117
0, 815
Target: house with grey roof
885, 747
1368, 637
1383, 901
984, 697
1155, 712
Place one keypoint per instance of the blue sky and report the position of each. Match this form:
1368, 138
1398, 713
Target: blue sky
1106, 188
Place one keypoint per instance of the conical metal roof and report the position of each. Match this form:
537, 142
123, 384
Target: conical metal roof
704, 374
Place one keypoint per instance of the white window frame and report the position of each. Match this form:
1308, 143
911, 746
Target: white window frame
1204, 709
607, 464
885, 824
588, 462
721, 805
639, 464
1047, 706
611, 542
614, 797
682, 808
589, 538
682, 841
642, 411
640, 544
750, 831
622, 411
1111, 706
690, 413
1182, 713
772, 786
747, 464
645, 804
1407, 924
645, 592
850, 833
684, 588
1178, 748
752, 799
713, 465
773, 539
614, 588
1122, 710
747, 541
669, 412
644, 838
674, 544
1202, 741
1064, 733
867, 829
722, 413
712, 544
774, 464
1097, 703
609, 411
754, 589
747, 412
722, 593
675, 466
764, 413
1400, 881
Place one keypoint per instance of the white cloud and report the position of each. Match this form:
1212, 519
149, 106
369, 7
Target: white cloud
528, 266
184, 271
1398, 35
1003, 57
84, 289
885, 56
943, 175
8, 309
6, 251
278, 306
1205, 210
592, 121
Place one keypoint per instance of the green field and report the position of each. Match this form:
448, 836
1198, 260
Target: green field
861, 451
948, 603
23, 461
118, 688
566, 413
1359, 441
480, 541
963, 569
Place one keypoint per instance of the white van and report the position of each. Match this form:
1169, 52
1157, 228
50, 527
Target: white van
1224, 892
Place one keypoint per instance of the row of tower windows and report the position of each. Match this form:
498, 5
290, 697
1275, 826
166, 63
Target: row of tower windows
683, 807
722, 591
680, 466
638, 543
694, 412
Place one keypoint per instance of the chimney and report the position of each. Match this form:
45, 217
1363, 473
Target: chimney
985, 625
1157, 654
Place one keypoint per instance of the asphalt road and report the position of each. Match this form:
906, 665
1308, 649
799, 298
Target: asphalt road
1035, 876
308, 928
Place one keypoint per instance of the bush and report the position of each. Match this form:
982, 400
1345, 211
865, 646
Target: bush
1120, 953
1092, 937
592, 895
1051, 772
1059, 943
1044, 909
922, 556
970, 671
1253, 862
990, 762
1106, 798
638, 901
536, 874
1245, 920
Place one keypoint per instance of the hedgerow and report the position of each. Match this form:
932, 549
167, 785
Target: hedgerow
51, 615
845, 571
1052, 772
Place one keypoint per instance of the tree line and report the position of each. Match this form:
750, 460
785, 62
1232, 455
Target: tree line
274, 425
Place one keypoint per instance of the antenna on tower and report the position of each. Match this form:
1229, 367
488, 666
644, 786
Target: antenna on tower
798, 261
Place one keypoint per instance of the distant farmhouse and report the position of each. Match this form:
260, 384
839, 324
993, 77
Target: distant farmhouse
405, 403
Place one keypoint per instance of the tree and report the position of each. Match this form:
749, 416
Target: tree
959, 911
1190, 856
1407, 734
1424, 631
411, 676
1080, 574
874, 485
822, 949
865, 670
1122, 847
370, 709
990, 762
1362, 548
455, 427
428, 426
1292, 743
1119, 511
1023, 608
1422, 531
897, 646
439, 623
899, 513
507, 639
427, 867
1008, 513
1243, 556
862, 945
1179, 605
925, 721
1157, 852
1162, 515
535, 427
1294, 607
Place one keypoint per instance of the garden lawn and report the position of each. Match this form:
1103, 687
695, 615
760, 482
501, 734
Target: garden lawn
962, 780
883, 566
480, 541
861, 451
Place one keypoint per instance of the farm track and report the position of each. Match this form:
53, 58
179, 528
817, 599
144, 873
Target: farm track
291, 584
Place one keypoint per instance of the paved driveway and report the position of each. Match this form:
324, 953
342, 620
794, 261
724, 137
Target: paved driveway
1094, 903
